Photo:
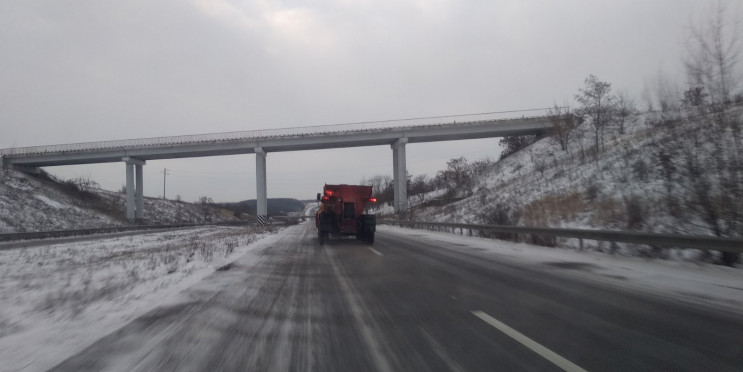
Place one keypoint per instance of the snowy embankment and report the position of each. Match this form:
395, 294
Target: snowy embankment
718, 286
28, 203
57, 299
43, 203
639, 181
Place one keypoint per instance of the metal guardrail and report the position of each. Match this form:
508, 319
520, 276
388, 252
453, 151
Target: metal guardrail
290, 218
664, 240
274, 133
104, 230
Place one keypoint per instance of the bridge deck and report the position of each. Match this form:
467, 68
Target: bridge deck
272, 140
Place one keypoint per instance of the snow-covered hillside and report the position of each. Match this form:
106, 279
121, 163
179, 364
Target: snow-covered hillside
40, 203
641, 181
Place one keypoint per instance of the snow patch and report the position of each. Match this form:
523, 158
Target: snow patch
49, 202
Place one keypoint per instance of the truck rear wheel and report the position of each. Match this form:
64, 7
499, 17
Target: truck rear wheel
369, 238
322, 236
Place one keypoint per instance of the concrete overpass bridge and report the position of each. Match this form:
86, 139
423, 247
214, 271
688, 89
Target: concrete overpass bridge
397, 134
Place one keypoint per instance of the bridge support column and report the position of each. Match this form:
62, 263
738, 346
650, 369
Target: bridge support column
129, 191
134, 196
400, 175
139, 193
260, 180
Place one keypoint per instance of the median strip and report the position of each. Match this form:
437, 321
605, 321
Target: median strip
548, 354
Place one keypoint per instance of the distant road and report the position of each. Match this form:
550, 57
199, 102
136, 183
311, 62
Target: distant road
310, 208
412, 304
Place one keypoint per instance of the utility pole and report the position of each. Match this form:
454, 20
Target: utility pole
165, 172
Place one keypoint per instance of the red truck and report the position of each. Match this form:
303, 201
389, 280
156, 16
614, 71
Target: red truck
342, 210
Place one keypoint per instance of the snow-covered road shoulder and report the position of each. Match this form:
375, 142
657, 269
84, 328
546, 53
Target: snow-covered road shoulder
702, 283
57, 299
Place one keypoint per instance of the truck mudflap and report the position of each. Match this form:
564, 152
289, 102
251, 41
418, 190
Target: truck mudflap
325, 225
326, 222
368, 223
367, 227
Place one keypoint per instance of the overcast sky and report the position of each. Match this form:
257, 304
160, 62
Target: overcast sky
77, 71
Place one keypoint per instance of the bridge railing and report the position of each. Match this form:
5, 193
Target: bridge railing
277, 133
734, 245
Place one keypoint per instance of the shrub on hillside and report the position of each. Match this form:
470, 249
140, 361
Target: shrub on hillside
500, 214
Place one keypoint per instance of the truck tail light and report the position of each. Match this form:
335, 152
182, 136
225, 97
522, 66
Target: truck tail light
373, 200
325, 197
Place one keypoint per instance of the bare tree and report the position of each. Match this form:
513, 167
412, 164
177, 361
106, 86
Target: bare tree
702, 167
695, 97
513, 144
418, 186
661, 93
563, 125
457, 176
479, 167
580, 135
382, 187
597, 103
207, 212
86, 184
625, 110
714, 50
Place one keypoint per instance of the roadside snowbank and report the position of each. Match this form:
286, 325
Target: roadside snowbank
58, 299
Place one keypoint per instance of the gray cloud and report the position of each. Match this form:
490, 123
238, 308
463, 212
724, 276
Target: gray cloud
79, 71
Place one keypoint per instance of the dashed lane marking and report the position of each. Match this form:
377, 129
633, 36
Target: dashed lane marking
548, 354
378, 253
364, 320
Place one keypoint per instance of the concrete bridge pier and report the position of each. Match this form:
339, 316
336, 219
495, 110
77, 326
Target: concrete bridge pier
134, 195
400, 175
260, 180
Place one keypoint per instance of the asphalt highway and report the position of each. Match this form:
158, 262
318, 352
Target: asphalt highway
410, 303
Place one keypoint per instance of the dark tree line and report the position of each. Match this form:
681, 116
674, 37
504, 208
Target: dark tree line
513, 144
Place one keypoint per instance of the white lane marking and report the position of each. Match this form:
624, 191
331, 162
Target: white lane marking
450, 363
548, 354
375, 251
363, 319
